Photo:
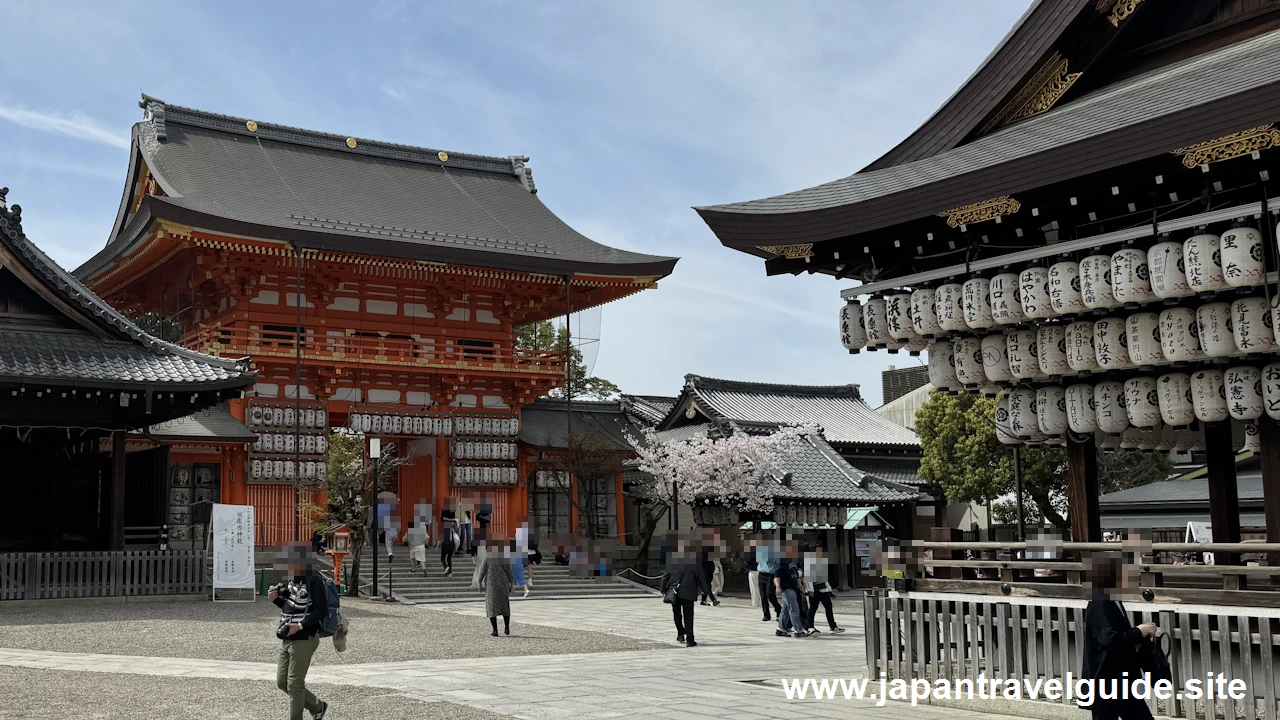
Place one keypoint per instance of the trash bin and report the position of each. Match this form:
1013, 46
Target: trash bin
263, 583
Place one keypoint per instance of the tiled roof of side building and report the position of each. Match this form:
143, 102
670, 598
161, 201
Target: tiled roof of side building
329, 192
838, 409
215, 424
548, 422
105, 348
648, 409
900, 470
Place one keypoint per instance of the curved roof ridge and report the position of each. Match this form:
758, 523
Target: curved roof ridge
710, 383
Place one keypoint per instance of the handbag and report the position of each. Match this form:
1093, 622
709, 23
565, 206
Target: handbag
669, 595
1153, 657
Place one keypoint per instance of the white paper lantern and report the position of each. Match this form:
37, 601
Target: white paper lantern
876, 323
289, 417
1081, 417
1252, 437
1214, 323
309, 418
1244, 392
377, 424
1111, 344
279, 442
967, 357
515, 426
256, 469
1176, 407
949, 300
1203, 262
1141, 401
977, 304
1020, 350
277, 416
257, 442
995, 361
1023, 422
417, 426
1064, 288
277, 469
1179, 335
486, 426
322, 418
1095, 282
1168, 273
308, 443
942, 371
255, 415
446, 426
397, 425
1149, 438
1051, 410
1130, 277
1131, 439
1251, 325
1108, 404
322, 443
924, 312
1033, 289
1209, 396
1242, 261
1006, 299
1080, 355
1142, 330
1271, 390
1051, 349
1003, 432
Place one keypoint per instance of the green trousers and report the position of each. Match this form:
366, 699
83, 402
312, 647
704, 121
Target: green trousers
291, 675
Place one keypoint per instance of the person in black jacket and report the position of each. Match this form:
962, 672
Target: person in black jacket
683, 573
303, 604
1111, 641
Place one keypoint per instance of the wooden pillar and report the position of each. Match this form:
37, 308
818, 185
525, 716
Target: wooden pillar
1082, 490
117, 488
441, 487
1270, 437
1224, 500
620, 508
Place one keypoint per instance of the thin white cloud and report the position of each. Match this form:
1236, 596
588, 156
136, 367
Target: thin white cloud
74, 125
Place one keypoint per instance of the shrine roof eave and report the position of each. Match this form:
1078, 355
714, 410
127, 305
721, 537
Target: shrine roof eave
1195, 100
155, 208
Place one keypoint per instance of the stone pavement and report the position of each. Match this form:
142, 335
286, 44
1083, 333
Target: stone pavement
734, 673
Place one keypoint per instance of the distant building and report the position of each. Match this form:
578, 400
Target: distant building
896, 382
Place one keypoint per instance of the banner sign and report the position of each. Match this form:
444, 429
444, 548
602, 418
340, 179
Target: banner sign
232, 546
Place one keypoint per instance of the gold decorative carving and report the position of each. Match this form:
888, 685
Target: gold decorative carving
790, 252
1040, 94
1230, 146
351, 143
1117, 10
251, 126
979, 211
444, 156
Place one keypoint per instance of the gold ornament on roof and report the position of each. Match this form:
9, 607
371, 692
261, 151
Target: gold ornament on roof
1118, 9
351, 143
444, 156
1230, 146
979, 211
1040, 94
790, 252
252, 126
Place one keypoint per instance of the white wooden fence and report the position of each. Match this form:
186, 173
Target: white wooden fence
43, 576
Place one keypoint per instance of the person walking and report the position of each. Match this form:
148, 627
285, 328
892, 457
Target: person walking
466, 534
535, 558
497, 580
789, 585
480, 544
416, 538
817, 572
1111, 642
516, 558
708, 566
687, 578
303, 605
767, 562
753, 571
448, 546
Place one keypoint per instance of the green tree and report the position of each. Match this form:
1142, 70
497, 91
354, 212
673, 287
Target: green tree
544, 335
159, 326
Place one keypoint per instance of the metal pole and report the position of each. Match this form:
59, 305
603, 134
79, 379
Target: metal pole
297, 394
1017, 480
374, 540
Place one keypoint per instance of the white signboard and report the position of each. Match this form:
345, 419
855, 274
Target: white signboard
232, 546
1201, 532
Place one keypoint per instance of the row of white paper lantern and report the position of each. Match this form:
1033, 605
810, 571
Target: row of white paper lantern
487, 426
400, 425
1215, 330
809, 515
485, 475
285, 416
1065, 288
1161, 438
480, 450
287, 470
285, 443
551, 479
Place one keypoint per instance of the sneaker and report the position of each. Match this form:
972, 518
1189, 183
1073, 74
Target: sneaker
506, 631
715, 602
680, 638
767, 619
494, 633
800, 634
690, 643
837, 630
782, 633
526, 593
324, 708
813, 631
704, 602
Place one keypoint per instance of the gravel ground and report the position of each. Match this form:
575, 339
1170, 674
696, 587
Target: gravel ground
31, 694
380, 632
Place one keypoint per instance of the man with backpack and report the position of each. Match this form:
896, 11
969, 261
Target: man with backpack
305, 611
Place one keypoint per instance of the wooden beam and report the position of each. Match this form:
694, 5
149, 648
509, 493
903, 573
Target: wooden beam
1082, 490
117, 488
1224, 499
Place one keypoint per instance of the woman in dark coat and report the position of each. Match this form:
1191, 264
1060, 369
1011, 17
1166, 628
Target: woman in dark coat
1111, 642
497, 580
684, 572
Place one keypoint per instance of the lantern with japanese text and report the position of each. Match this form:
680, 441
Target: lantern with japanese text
967, 358
1251, 325
1168, 274
1244, 392
1175, 399
876, 323
942, 371
1020, 349
1081, 417
1080, 355
1111, 344
1242, 261
1108, 405
1203, 262
1179, 334
1214, 323
1252, 437
1006, 299
1095, 282
1064, 288
1033, 284
1209, 396
898, 317
1023, 421
853, 333
924, 312
949, 300
995, 361
1051, 349
1003, 432
1130, 278
1141, 401
1051, 410
1271, 390
977, 303
1143, 333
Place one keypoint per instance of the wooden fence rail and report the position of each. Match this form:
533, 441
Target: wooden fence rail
950, 636
43, 576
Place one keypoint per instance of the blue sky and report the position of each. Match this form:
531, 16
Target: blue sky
631, 113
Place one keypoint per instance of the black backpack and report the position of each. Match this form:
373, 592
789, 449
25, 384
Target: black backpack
329, 623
